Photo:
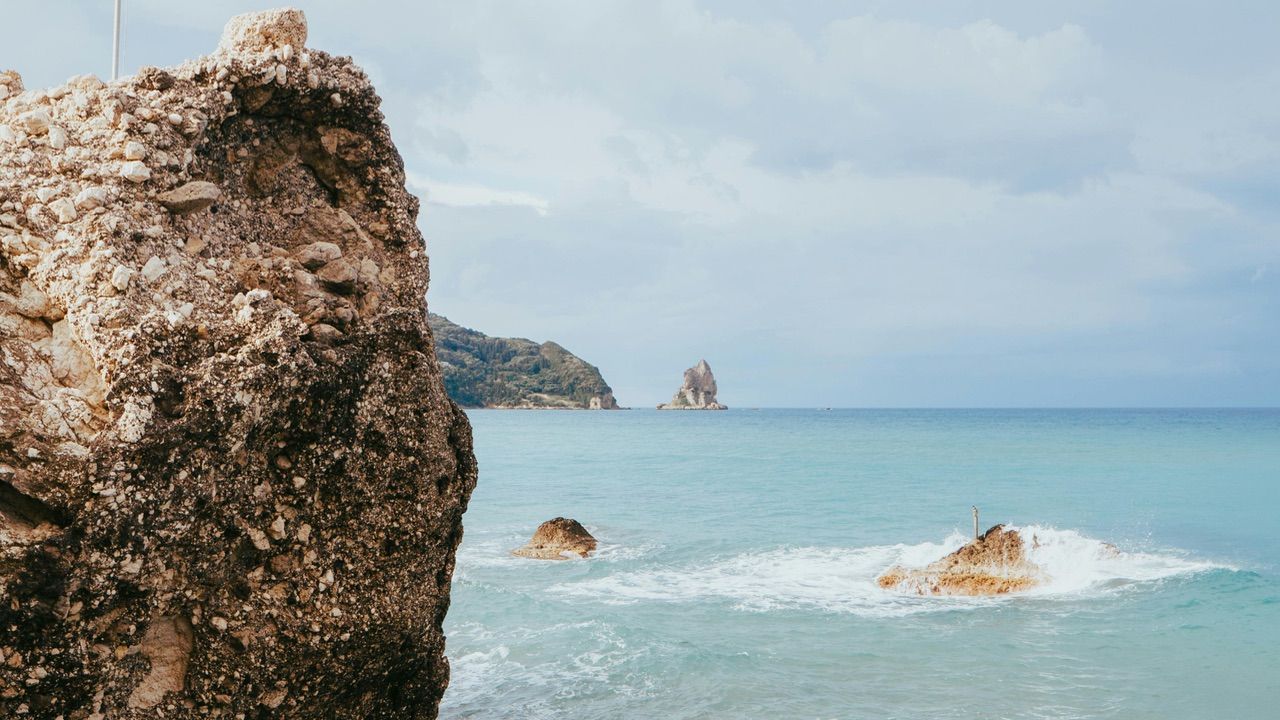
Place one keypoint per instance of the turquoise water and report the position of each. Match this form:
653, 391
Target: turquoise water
739, 551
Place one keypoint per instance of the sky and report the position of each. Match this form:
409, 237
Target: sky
846, 204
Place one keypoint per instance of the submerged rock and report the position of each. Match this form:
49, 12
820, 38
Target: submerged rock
698, 391
231, 483
994, 564
558, 539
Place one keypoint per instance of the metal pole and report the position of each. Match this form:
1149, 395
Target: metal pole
975, 522
115, 46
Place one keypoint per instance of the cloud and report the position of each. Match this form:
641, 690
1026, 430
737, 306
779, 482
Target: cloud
877, 188
455, 195
854, 203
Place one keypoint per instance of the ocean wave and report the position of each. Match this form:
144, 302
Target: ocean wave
1074, 563
843, 579
507, 665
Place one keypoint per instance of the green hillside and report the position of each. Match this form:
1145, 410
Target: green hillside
483, 371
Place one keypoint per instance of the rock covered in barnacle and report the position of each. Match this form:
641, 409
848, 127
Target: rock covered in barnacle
231, 484
994, 564
558, 539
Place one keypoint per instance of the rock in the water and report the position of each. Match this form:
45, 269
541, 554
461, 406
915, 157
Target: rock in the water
558, 539
994, 564
191, 197
227, 488
698, 391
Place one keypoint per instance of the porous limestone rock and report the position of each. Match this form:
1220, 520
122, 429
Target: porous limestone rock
994, 564
558, 539
283, 30
698, 391
34, 122
315, 255
228, 488
135, 171
192, 197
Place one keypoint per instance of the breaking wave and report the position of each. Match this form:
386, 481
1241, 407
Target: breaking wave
843, 579
601, 652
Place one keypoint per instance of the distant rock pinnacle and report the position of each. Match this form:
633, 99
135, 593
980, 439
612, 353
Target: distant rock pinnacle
698, 391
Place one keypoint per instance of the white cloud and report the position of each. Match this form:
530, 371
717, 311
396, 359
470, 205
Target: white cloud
464, 196
830, 201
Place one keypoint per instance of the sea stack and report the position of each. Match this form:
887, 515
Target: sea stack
993, 564
558, 539
698, 391
231, 483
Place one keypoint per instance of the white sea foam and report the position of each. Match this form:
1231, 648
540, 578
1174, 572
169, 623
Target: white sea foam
618, 552
1074, 563
843, 579
599, 652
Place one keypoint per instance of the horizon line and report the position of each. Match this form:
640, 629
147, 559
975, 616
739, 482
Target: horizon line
930, 407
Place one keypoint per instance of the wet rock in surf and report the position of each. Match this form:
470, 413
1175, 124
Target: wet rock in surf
558, 539
994, 564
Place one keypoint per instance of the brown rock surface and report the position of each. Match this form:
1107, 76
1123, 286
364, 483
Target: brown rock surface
994, 564
228, 488
557, 539
192, 197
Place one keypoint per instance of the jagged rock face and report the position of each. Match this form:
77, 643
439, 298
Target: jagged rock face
994, 564
698, 391
558, 539
231, 484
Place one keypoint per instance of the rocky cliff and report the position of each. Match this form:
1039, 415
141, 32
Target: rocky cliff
698, 392
497, 372
231, 483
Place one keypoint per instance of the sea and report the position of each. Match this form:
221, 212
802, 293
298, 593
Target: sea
735, 576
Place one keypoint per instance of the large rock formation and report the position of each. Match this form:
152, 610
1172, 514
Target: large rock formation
497, 372
698, 391
558, 539
231, 483
993, 564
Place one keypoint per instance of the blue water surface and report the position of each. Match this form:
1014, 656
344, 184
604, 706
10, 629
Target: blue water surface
739, 549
